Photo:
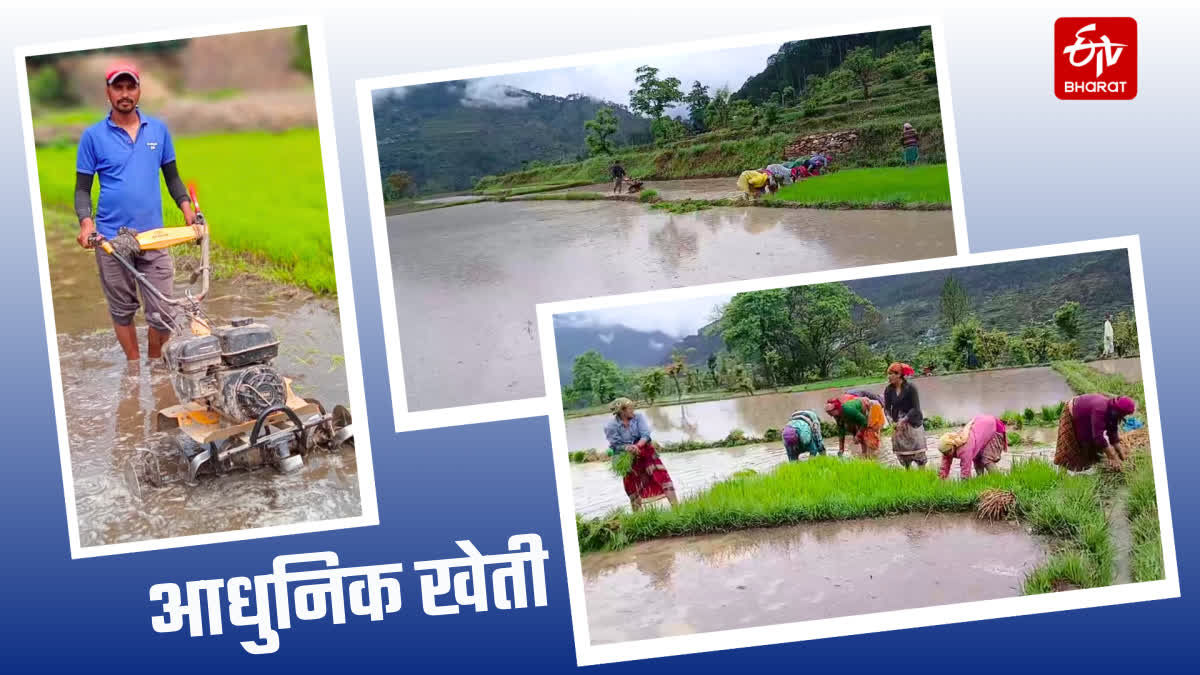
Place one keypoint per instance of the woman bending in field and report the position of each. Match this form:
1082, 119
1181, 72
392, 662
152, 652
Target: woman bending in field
1087, 430
647, 480
862, 417
801, 434
979, 444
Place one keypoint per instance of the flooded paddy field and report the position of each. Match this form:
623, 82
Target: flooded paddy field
760, 577
467, 278
111, 407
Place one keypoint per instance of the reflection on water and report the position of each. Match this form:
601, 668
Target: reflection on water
111, 407
467, 278
954, 397
1130, 369
819, 570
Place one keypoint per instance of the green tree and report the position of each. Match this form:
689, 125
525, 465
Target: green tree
301, 54
698, 102
993, 348
742, 113
596, 376
1039, 342
755, 323
964, 343
677, 369
956, 305
862, 65
712, 368
829, 320
769, 115
1069, 320
599, 128
653, 95
399, 183
652, 384
1125, 337
788, 95
716, 113
665, 130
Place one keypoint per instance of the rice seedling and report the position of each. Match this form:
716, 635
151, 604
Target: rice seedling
996, 504
648, 196
928, 184
1030, 415
1142, 510
621, 463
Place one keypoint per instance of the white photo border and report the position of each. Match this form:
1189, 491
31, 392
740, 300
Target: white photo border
588, 654
341, 258
406, 420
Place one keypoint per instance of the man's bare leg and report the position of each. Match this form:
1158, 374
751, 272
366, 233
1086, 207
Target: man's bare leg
127, 338
155, 339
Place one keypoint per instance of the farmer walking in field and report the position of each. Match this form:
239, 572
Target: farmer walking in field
909, 141
126, 150
618, 175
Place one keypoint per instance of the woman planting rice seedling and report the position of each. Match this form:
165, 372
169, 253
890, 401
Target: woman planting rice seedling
646, 479
980, 444
1088, 428
862, 417
904, 410
802, 433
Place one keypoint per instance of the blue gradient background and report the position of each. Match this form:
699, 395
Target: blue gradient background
1035, 171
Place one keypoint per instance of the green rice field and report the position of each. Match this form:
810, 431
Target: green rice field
921, 184
262, 193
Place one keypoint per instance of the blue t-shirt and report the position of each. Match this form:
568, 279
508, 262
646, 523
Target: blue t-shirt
128, 170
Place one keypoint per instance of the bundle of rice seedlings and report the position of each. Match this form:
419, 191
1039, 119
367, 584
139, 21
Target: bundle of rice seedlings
621, 464
996, 504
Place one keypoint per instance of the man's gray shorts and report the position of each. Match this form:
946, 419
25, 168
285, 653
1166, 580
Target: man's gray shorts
121, 289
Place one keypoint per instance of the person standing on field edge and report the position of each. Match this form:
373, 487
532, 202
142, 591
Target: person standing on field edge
618, 175
909, 141
126, 150
1110, 347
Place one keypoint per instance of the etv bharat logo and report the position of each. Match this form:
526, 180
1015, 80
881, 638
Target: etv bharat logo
1095, 58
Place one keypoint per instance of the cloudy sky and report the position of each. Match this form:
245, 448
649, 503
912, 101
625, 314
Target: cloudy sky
612, 81
677, 319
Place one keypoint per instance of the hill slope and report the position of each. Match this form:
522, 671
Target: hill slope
1004, 296
448, 135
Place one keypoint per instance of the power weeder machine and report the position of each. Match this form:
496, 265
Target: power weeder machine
235, 410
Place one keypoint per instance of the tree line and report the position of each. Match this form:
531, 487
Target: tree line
784, 337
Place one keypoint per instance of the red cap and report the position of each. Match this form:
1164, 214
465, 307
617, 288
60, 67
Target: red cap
119, 69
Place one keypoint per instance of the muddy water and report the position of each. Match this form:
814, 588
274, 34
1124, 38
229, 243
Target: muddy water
451, 199
596, 491
762, 577
1130, 369
111, 406
954, 397
467, 278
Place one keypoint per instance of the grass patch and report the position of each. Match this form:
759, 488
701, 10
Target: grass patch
647, 196
530, 189
567, 196
691, 205
1142, 511
923, 184
263, 194
824, 488
1083, 379
68, 116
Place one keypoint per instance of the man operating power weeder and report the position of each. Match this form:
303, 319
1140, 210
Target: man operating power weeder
127, 149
